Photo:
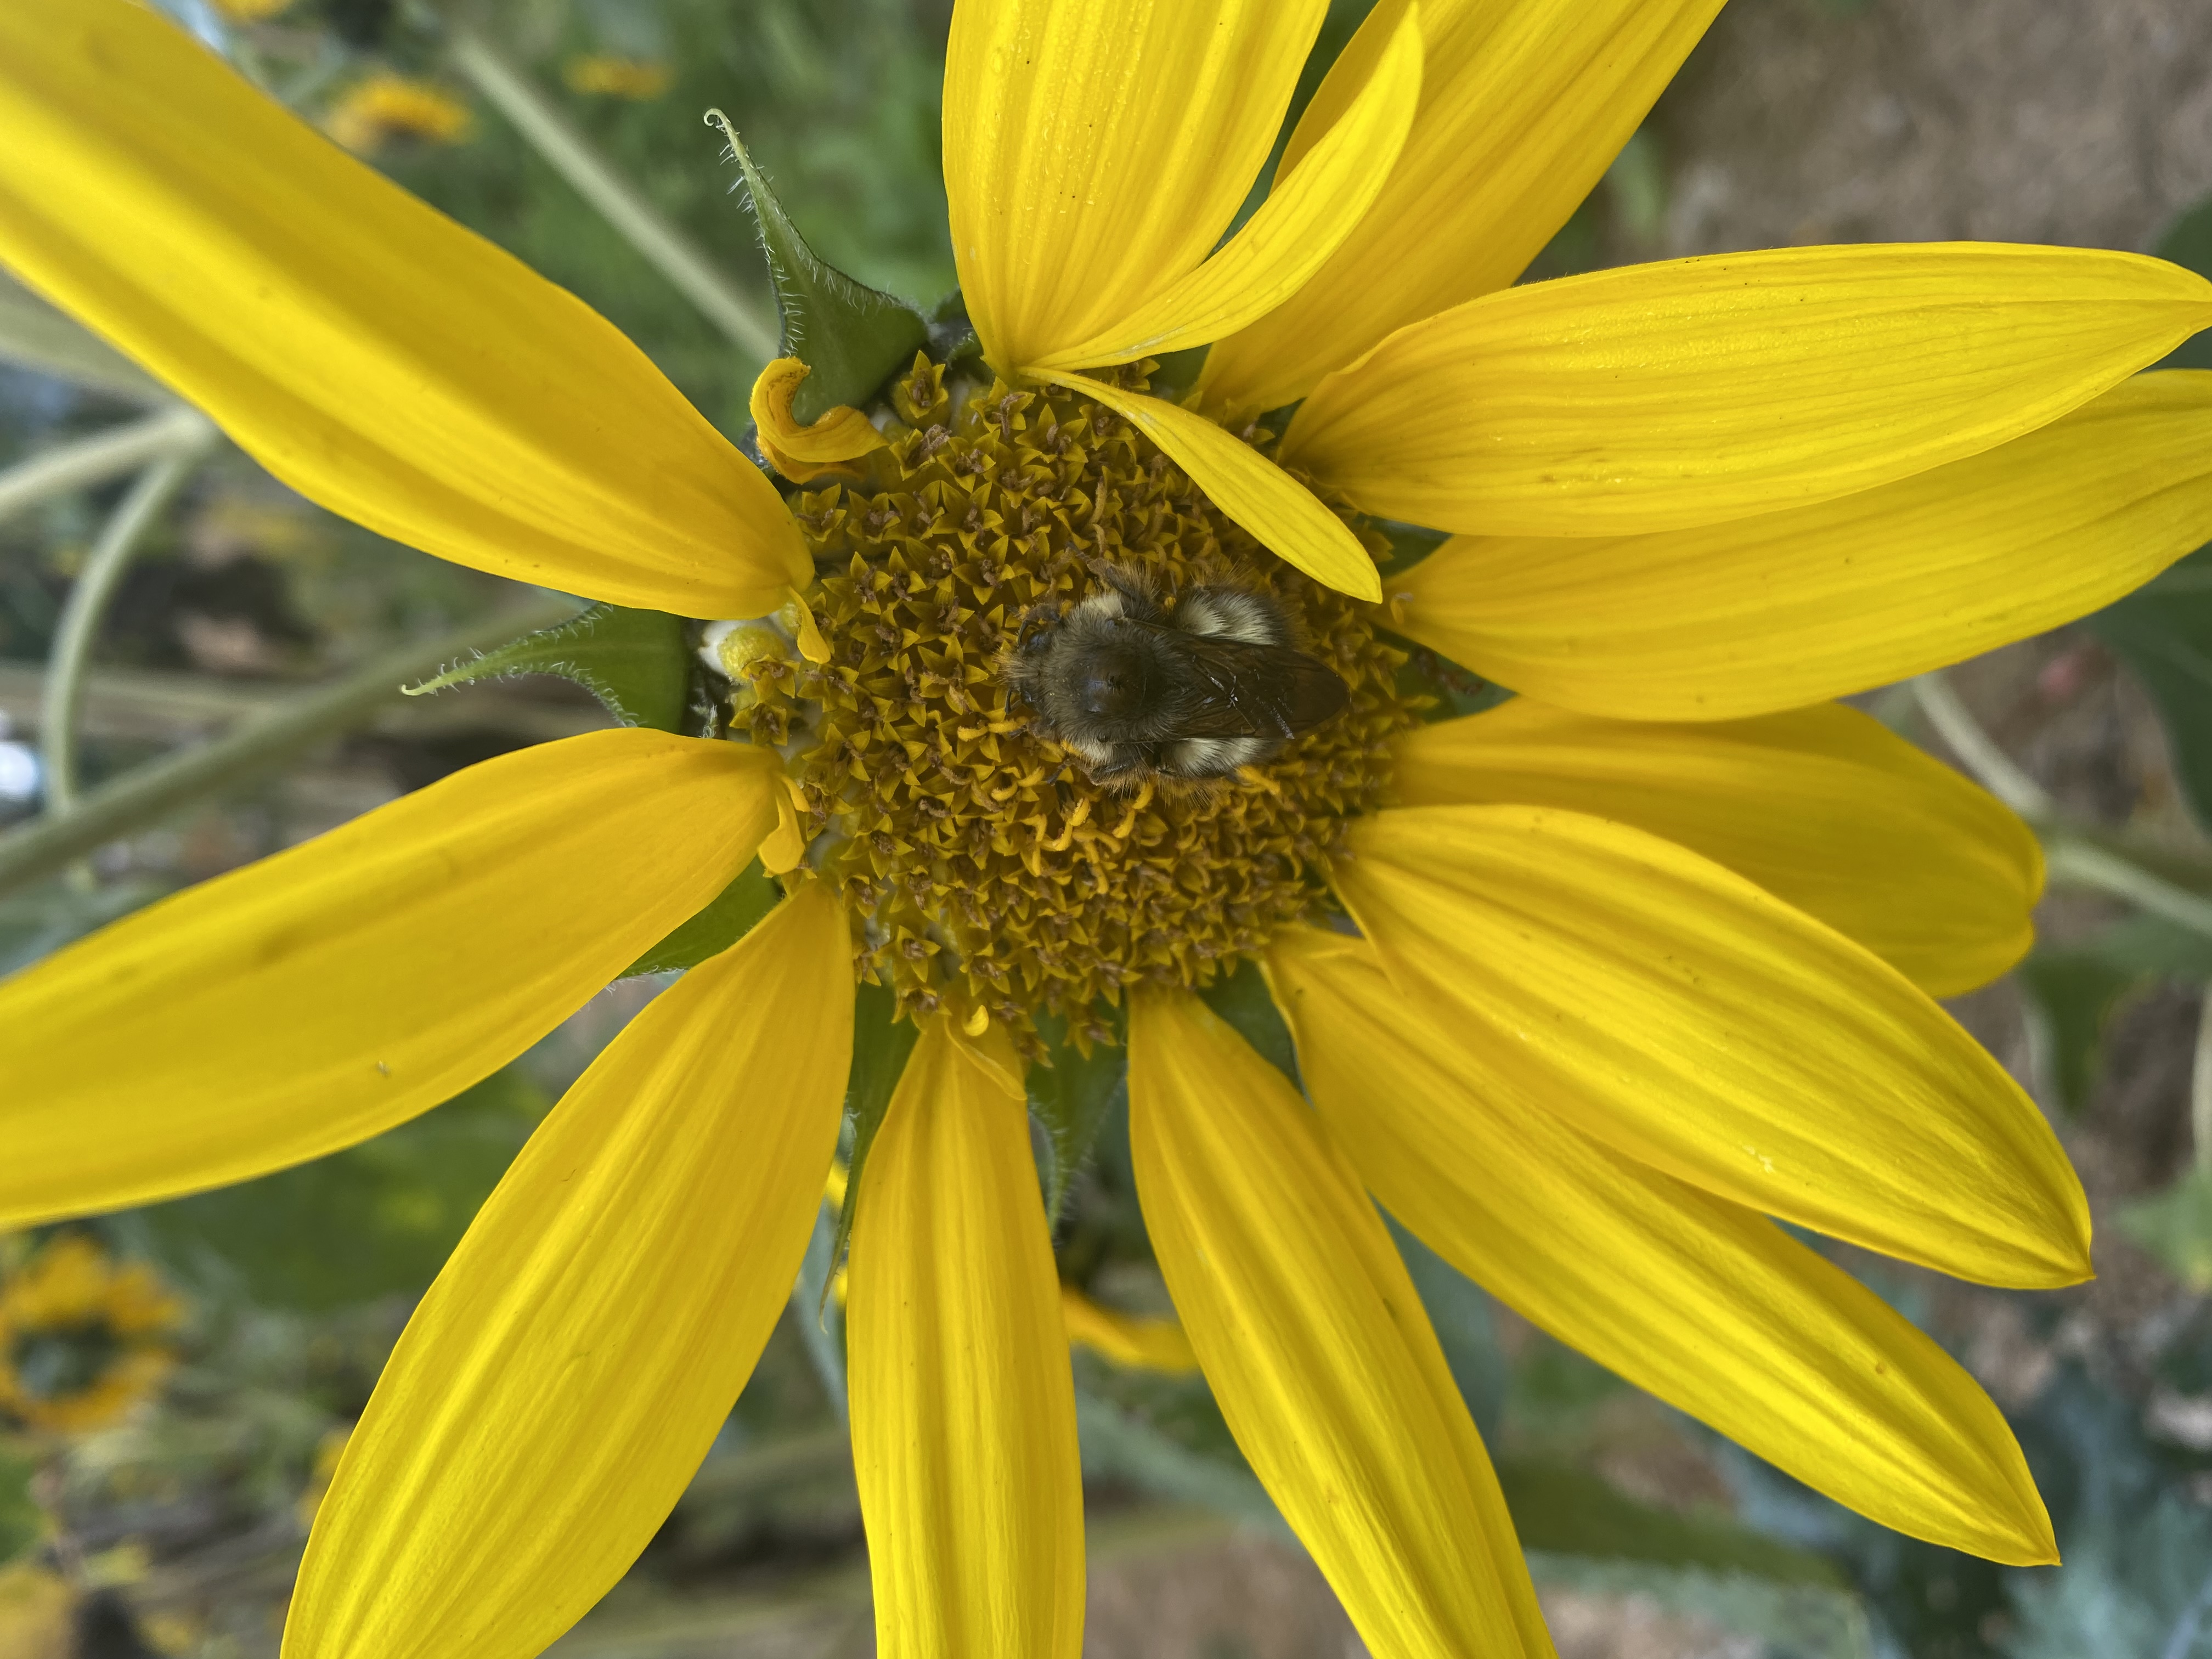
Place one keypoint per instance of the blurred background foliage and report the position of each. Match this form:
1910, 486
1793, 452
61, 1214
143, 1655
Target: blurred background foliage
176, 1382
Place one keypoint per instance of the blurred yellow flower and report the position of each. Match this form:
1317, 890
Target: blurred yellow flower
84, 1337
384, 106
1642, 958
1136, 1340
612, 76
37, 1613
250, 11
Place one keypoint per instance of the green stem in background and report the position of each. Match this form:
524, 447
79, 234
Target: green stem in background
746, 321
2074, 860
105, 455
1955, 724
2200, 1087
34, 336
145, 795
79, 626
2075, 854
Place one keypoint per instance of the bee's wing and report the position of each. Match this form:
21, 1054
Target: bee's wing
1236, 689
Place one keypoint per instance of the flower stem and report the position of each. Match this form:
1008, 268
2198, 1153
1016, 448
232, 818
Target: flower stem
1989, 764
2075, 854
744, 320
33, 335
149, 793
105, 455
2200, 1087
79, 626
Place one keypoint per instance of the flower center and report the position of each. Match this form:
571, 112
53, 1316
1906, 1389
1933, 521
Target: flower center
64, 1360
989, 861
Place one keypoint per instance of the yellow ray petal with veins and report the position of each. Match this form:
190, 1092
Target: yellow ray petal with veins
1246, 485
554, 1393
1524, 104
963, 1406
320, 996
1787, 608
1681, 1015
1316, 1346
1301, 223
1710, 1307
1095, 153
370, 352
798, 451
1696, 392
1824, 807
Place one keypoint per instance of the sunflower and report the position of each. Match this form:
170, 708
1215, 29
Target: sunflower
82, 1337
1584, 988
384, 106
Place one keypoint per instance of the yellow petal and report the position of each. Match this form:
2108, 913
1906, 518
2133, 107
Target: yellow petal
554, 1393
1788, 608
801, 451
1699, 391
1524, 104
318, 997
1094, 154
1275, 507
371, 353
1685, 1018
964, 1407
1824, 807
1709, 1306
1127, 1339
1301, 223
1314, 1340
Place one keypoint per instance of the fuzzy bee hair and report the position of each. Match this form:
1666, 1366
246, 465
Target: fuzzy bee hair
1141, 690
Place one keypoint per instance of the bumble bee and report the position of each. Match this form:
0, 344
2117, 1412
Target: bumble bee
1139, 690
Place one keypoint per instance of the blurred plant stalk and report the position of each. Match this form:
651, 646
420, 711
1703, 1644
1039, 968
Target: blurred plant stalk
173, 432
54, 841
79, 625
2166, 884
745, 320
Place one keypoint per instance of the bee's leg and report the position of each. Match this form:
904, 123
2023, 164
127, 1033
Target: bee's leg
1129, 768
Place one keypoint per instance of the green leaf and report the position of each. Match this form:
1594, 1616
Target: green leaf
21, 1522
1567, 1510
378, 1219
1070, 1097
881, 1043
637, 663
952, 337
2163, 632
2188, 241
1240, 997
726, 920
853, 338
2176, 1226
2152, 945
2071, 994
